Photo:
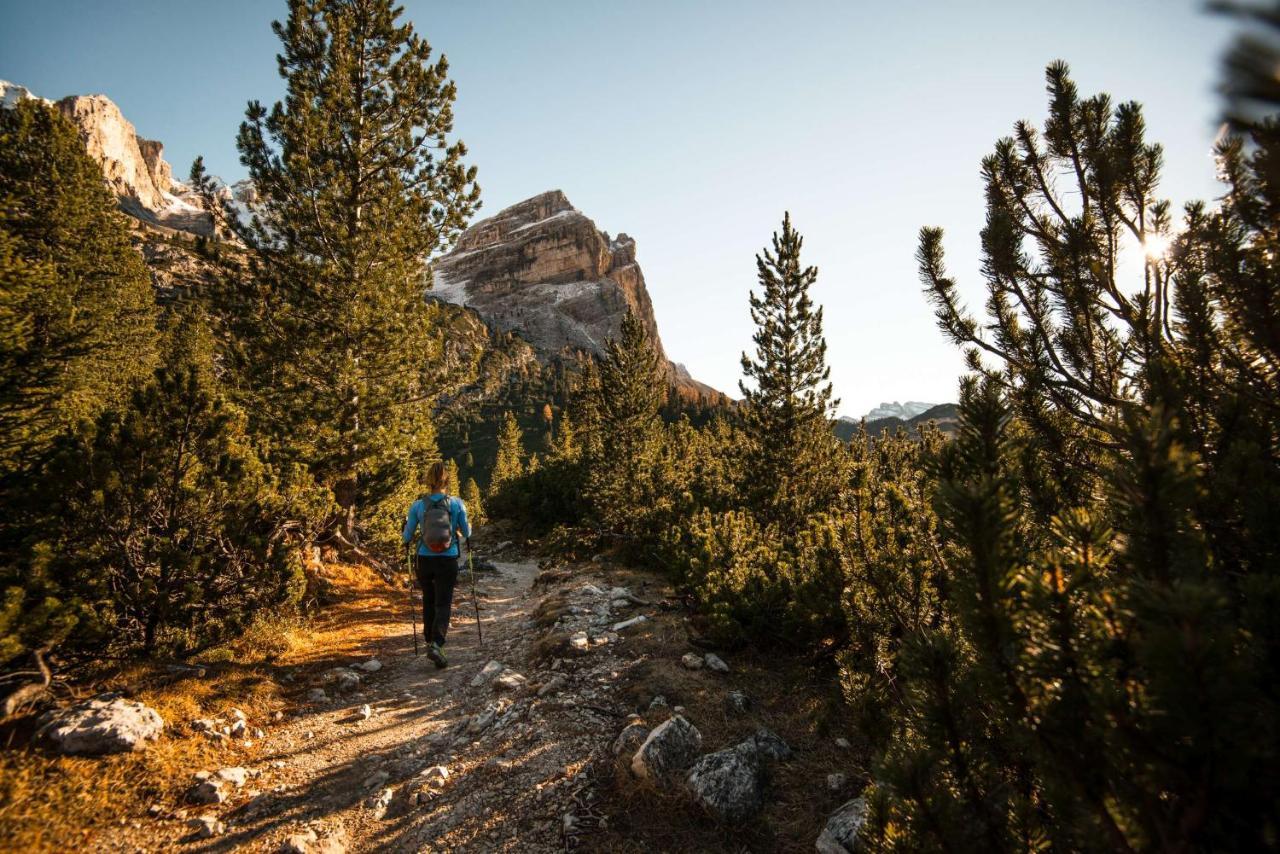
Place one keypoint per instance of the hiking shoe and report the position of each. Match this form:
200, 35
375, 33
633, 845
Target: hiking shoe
436, 654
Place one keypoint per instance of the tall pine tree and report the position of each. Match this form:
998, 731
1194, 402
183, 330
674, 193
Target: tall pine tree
358, 187
791, 466
632, 387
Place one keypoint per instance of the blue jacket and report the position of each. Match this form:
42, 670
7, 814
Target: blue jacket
457, 514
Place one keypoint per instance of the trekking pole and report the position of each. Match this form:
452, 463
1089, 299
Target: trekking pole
413, 606
471, 567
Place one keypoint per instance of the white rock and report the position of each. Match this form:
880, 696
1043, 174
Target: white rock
238, 729
836, 781
592, 590
436, 775
669, 749
692, 660
376, 779
236, 776
580, 641
206, 827
715, 662
343, 679
619, 604
365, 712
840, 836
626, 624
317, 695
259, 734
104, 724
238, 715
373, 665
481, 722
509, 681
842, 743
488, 672
379, 802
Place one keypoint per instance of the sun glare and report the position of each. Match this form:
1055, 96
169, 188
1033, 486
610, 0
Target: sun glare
1156, 245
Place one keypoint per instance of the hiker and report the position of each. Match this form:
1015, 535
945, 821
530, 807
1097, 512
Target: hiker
440, 518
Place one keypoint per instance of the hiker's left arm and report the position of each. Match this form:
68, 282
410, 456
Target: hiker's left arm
463, 525
409, 524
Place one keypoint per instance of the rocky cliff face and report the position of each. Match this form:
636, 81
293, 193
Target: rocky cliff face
542, 269
133, 167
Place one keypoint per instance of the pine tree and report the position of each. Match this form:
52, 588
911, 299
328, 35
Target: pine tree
787, 410
1096, 680
621, 484
475, 503
77, 329
76, 301
509, 465
185, 548
358, 186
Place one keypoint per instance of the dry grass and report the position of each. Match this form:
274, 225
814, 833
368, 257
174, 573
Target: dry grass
790, 697
56, 803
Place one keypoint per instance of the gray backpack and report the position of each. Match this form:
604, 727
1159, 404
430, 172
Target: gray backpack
437, 524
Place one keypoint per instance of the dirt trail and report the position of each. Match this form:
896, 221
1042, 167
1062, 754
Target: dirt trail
512, 755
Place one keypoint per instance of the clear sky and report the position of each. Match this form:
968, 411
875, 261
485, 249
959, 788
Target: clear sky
692, 126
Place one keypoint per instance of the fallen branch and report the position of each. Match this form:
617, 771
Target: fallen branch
31, 692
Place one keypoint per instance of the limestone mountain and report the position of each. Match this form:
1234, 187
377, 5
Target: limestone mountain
543, 270
133, 166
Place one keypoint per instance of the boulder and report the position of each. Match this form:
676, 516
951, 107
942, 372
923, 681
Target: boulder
344, 679
105, 724
692, 661
770, 745
668, 750
630, 739
317, 695
488, 672
373, 665
727, 783
715, 662
580, 642
840, 836
836, 781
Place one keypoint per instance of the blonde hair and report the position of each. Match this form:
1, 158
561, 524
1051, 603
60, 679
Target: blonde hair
437, 478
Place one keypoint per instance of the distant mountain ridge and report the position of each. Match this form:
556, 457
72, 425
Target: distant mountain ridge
945, 415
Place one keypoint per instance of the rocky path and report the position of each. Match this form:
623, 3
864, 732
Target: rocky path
523, 743
393, 754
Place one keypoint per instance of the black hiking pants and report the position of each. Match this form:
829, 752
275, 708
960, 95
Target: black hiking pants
436, 576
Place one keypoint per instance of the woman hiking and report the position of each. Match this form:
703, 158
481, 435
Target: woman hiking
440, 518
